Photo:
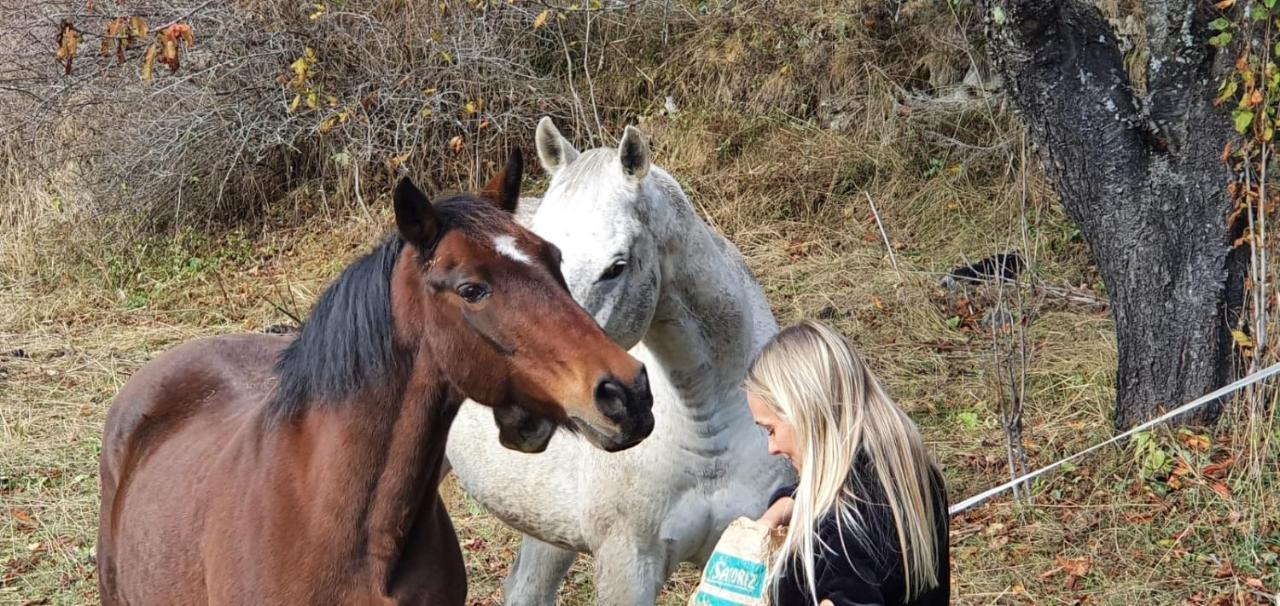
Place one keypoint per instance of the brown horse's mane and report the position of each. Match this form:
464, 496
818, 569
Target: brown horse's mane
346, 346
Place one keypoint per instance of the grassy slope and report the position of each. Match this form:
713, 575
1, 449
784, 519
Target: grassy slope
950, 183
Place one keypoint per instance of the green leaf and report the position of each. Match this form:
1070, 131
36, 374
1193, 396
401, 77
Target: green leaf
1156, 461
1221, 40
970, 419
1277, 49
997, 15
1269, 3
1228, 91
953, 322
1243, 118
1259, 13
1220, 24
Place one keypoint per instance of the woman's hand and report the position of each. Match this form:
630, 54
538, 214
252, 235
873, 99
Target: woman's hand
779, 514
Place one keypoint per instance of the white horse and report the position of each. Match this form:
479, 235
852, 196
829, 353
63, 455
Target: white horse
664, 284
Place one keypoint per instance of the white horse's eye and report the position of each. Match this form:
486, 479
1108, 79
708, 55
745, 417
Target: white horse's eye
614, 270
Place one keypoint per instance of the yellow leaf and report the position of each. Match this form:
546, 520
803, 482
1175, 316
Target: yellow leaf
470, 108
332, 100
313, 100
149, 64
327, 125
297, 100
1224, 4
318, 12
447, 57
309, 54
426, 112
541, 20
137, 27
1242, 339
300, 69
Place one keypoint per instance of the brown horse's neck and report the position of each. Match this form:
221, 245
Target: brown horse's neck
407, 484
374, 464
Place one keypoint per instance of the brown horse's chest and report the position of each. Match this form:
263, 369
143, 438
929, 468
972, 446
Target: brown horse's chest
244, 521
326, 544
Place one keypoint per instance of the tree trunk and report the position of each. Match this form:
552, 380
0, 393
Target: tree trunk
1143, 177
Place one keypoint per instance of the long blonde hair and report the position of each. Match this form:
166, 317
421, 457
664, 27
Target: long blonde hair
813, 379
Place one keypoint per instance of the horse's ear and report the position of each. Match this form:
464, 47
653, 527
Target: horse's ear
554, 151
633, 152
504, 188
415, 218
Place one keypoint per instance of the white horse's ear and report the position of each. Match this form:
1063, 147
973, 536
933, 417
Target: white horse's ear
633, 151
554, 151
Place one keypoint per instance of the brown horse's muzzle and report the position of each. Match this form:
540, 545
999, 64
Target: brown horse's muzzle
627, 411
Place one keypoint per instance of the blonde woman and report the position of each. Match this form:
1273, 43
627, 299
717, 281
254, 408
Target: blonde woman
867, 522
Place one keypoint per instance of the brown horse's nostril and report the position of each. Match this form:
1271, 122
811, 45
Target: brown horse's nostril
631, 407
613, 399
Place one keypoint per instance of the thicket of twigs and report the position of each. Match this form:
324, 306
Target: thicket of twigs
156, 113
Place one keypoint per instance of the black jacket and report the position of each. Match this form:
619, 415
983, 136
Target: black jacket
869, 571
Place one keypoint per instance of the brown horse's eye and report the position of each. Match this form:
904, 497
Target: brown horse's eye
472, 292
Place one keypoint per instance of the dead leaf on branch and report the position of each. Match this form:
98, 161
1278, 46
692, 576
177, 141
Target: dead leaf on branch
68, 41
149, 64
169, 51
137, 30
184, 32
113, 31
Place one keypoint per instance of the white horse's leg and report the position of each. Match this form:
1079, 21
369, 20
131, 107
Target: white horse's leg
628, 574
536, 575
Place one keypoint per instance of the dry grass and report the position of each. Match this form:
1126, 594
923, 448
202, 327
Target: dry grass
80, 340
790, 124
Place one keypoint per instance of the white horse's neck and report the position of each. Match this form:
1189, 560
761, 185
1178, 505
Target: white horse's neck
702, 330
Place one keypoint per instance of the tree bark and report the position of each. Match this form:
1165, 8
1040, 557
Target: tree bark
1143, 178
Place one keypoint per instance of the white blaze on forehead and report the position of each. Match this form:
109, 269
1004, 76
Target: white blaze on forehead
506, 245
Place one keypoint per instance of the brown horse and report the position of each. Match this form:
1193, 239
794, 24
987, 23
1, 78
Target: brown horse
259, 469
